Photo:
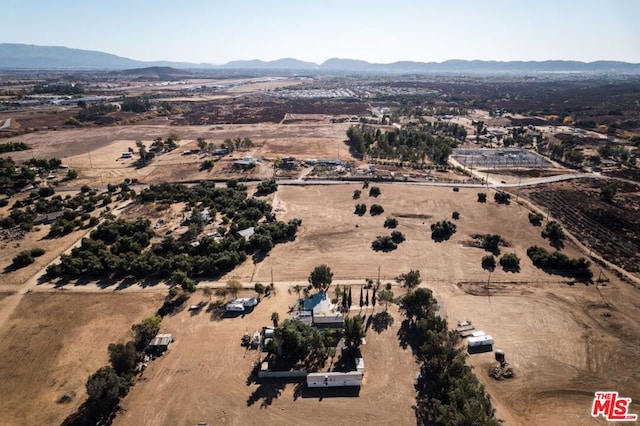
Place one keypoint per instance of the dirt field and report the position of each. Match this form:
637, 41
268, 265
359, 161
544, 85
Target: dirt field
96, 152
53, 342
204, 377
331, 233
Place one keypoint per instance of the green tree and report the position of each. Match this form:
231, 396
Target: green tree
510, 262
72, 174
234, 287
321, 277
275, 319
202, 144
356, 194
419, 304
354, 330
553, 231
488, 262
376, 209
608, 191
374, 191
123, 358
409, 279
22, 259
386, 297
106, 386
146, 330
482, 197
391, 222
259, 288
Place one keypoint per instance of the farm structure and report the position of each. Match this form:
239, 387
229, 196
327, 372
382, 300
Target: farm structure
160, 343
500, 158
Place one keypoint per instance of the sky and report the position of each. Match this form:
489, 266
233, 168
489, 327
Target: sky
218, 31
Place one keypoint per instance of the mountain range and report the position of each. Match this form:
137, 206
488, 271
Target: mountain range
31, 57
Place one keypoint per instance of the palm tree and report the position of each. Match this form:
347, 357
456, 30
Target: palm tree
275, 318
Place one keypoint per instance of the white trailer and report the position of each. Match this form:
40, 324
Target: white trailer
485, 340
235, 307
334, 379
246, 301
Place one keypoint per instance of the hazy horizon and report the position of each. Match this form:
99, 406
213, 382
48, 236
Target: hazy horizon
215, 32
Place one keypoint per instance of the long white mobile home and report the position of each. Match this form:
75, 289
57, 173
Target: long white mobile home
334, 379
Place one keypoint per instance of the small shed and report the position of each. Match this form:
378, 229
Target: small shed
160, 343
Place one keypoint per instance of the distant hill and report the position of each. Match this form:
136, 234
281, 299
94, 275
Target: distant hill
24, 56
285, 63
27, 56
155, 73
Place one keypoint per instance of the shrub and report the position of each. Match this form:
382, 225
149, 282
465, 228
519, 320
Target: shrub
390, 222
535, 218
608, 191
22, 259
456, 189
37, 252
397, 237
361, 209
376, 209
356, 194
501, 197
374, 191
442, 230
482, 197
455, 215
510, 261
553, 231
383, 243
206, 165
490, 242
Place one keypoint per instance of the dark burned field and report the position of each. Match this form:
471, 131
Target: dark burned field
266, 110
612, 229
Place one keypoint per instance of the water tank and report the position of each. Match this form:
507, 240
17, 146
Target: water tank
499, 356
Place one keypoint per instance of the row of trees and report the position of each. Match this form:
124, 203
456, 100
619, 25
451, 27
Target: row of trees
108, 384
560, 263
413, 144
448, 393
13, 147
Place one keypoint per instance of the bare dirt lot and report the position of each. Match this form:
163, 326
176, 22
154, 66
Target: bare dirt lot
205, 377
96, 152
51, 344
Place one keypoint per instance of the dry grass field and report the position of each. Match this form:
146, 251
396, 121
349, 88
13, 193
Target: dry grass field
95, 153
53, 341
563, 341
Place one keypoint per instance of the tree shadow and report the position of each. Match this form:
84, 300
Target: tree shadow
259, 256
217, 310
173, 306
556, 243
408, 337
512, 269
381, 321
268, 390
